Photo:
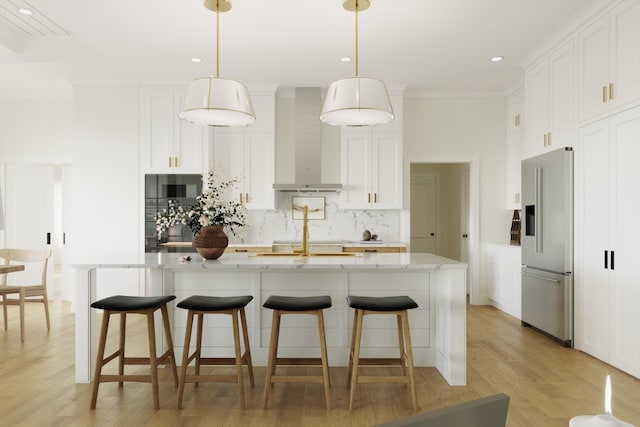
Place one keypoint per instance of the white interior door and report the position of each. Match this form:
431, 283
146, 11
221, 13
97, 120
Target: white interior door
424, 214
29, 210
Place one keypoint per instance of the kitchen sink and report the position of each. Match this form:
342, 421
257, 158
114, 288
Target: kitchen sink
313, 254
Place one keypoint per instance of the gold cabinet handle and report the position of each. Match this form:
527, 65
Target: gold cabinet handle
545, 139
175, 162
170, 162
368, 197
246, 197
240, 197
375, 197
549, 139
604, 94
610, 91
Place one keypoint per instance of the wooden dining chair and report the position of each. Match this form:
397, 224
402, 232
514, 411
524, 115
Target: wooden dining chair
26, 292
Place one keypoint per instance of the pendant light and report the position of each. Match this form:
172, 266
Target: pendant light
214, 101
356, 101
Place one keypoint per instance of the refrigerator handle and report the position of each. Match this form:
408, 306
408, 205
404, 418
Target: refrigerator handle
606, 259
538, 219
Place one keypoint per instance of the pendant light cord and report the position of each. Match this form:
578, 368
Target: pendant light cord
217, 38
357, 7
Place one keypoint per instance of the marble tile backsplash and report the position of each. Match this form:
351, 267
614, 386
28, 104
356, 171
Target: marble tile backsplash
265, 226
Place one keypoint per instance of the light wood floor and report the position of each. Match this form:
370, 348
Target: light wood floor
548, 384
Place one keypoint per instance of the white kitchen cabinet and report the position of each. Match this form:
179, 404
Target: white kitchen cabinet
168, 144
515, 148
249, 156
550, 101
371, 169
609, 58
502, 276
249, 153
607, 277
515, 112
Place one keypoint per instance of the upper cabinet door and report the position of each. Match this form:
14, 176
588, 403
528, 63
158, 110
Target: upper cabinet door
168, 144
625, 54
371, 170
515, 112
537, 107
593, 80
609, 62
387, 171
355, 158
550, 101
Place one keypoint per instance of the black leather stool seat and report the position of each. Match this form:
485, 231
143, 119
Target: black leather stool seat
207, 303
131, 303
393, 303
286, 303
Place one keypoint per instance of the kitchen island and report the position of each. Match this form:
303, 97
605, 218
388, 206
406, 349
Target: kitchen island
438, 326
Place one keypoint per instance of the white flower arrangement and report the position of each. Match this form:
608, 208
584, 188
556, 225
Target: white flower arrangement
212, 208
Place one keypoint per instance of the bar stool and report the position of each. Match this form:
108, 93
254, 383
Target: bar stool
123, 305
200, 305
397, 305
296, 305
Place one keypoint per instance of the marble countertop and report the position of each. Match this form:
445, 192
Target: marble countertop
251, 261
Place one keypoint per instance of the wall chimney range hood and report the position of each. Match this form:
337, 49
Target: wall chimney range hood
308, 144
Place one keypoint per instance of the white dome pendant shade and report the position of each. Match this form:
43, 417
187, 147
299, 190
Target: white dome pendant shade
356, 101
214, 101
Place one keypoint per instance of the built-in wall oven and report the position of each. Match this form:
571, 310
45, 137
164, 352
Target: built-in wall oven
168, 191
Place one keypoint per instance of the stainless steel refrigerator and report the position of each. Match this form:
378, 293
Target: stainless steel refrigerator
547, 244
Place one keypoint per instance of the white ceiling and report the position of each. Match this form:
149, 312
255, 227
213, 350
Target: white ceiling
423, 45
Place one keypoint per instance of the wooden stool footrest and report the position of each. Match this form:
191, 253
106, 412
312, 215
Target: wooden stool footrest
373, 361
222, 361
317, 379
294, 361
127, 377
211, 378
384, 379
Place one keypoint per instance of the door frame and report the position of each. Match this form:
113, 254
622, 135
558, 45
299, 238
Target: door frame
473, 270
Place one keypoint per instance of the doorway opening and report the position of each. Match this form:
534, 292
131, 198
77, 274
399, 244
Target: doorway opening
443, 212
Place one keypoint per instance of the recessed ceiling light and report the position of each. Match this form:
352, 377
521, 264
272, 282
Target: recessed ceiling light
497, 58
196, 59
25, 11
345, 59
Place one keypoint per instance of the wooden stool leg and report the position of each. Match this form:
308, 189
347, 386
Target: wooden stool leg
121, 343
325, 358
238, 351
407, 334
351, 349
153, 363
247, 348
185, 358
198, 352
401, 347
100, 357
273, 352
167, 336
356, 356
